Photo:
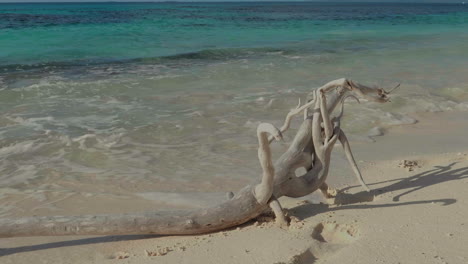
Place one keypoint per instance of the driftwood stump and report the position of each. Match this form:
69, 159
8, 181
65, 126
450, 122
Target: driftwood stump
311, 149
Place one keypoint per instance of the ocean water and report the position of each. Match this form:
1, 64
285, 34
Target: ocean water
167, 96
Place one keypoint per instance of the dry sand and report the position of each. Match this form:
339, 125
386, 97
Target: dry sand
416, 213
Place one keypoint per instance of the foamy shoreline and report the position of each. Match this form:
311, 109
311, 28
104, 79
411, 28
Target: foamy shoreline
415, 214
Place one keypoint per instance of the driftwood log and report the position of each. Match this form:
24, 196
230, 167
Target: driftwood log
311, 149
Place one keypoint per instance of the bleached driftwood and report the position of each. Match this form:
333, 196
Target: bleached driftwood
310, 149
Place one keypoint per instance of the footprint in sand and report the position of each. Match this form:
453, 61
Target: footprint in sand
331, 236
335, 233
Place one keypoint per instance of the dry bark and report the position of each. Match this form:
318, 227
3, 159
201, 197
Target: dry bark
310, 149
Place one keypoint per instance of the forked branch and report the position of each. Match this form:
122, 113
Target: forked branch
311, 149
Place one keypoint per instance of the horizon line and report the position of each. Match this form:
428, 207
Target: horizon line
238, 1
220, 1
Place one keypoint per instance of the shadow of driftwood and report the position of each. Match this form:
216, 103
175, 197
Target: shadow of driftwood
346, 198
70, 243
411, 184
349, 201
422, 180
431, 177
308, 210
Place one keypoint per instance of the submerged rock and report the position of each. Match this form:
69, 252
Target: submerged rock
375, 132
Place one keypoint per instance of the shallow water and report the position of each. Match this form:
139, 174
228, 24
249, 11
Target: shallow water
166, 97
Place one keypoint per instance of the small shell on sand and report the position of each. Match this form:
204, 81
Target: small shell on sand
158, 252
121, 255
409, 165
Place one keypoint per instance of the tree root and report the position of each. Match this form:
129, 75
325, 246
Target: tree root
310, 149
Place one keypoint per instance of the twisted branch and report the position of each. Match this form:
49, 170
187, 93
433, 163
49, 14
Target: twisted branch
311, 149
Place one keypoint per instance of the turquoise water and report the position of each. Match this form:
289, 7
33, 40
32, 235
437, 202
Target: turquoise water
102, 32
126, 91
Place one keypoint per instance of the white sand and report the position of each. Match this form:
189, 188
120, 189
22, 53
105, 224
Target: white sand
417, 213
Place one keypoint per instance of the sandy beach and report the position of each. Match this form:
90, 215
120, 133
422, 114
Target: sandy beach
129, 107
416, 213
